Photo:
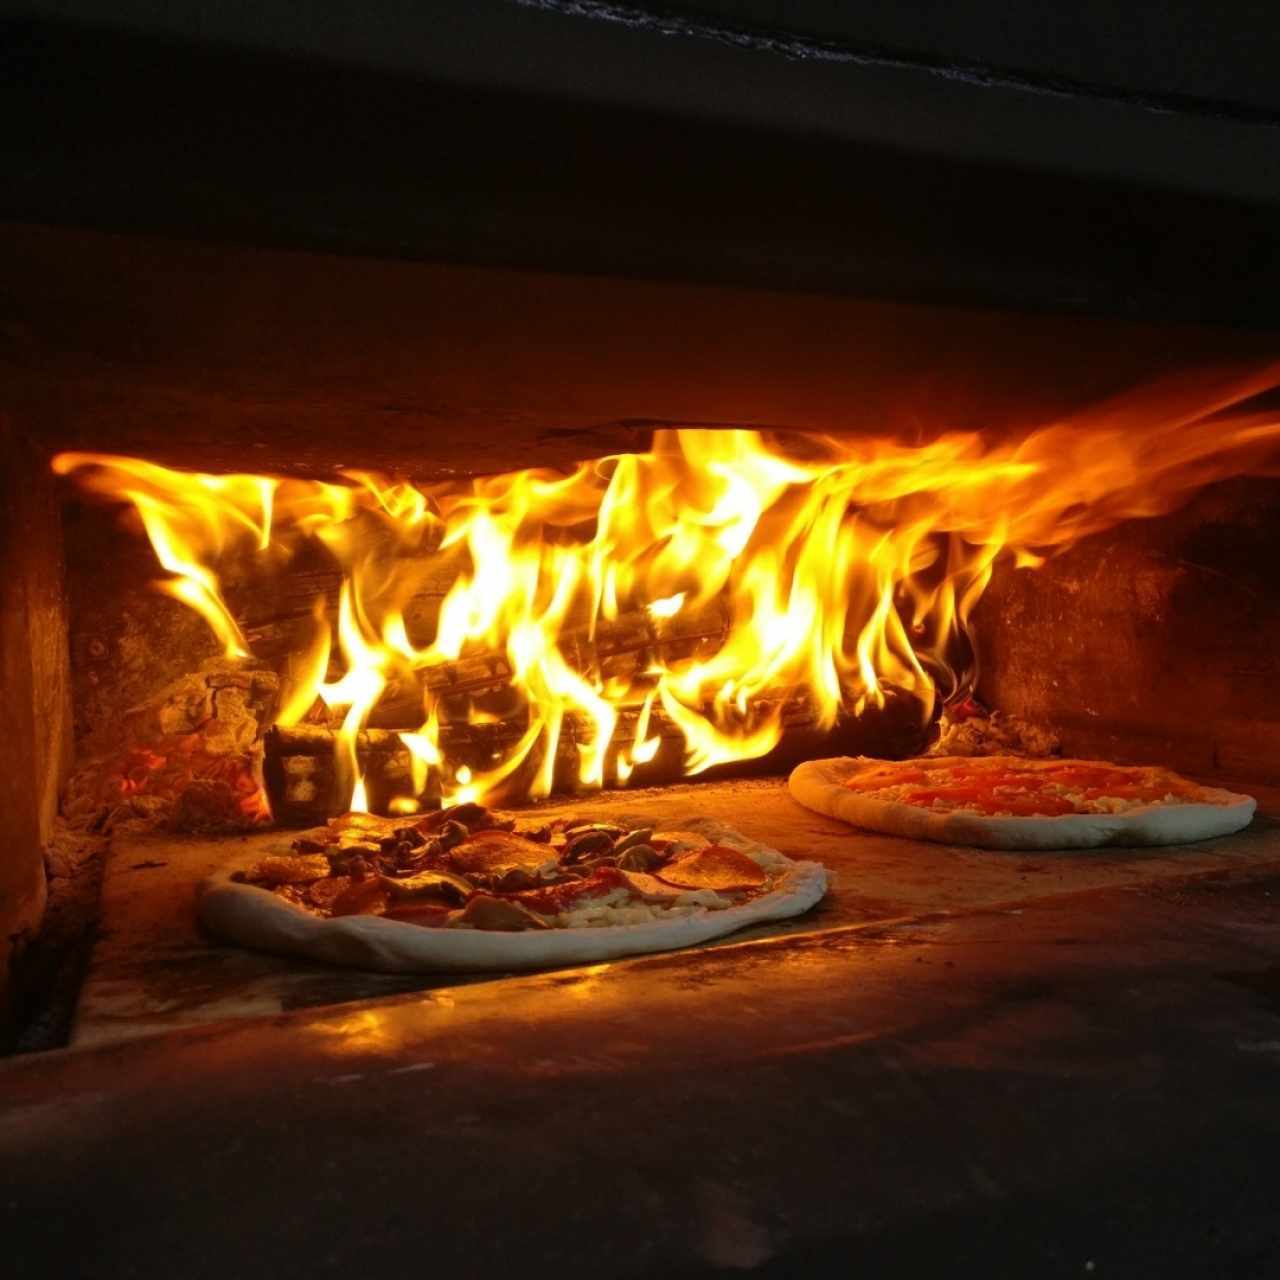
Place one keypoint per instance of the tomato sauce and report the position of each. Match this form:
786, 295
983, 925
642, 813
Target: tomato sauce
1022, 788
554, 898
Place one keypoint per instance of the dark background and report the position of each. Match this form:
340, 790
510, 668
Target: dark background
1097, 157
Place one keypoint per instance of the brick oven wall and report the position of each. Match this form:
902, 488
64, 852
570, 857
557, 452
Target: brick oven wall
35, 707
1154, 641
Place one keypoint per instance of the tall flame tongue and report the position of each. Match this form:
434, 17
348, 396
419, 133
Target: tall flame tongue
831, 577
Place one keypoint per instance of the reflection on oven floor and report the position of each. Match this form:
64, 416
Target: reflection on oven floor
154, 971
1082, 1085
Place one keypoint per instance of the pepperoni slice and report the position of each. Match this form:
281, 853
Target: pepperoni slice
430, 916
716, 867
360, 898
554, 898
489, 851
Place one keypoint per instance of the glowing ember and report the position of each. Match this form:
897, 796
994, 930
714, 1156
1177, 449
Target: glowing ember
766, 576
177, 780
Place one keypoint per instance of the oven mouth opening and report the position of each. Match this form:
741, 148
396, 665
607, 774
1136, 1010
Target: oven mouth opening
267, 645
724, 599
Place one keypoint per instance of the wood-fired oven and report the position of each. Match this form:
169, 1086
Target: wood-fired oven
485, 446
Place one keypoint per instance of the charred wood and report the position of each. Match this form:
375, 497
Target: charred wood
319, 739
300, 773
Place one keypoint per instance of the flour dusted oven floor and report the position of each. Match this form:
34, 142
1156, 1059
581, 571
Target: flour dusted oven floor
154, 970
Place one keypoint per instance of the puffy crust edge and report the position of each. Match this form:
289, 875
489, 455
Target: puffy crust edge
819, 785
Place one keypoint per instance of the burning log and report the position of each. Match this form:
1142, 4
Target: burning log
299, 758
318, 739
301, 777
619, 648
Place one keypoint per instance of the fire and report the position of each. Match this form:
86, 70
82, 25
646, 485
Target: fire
215, 791
701, 588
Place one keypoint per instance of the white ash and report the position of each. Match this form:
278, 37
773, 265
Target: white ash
205, 730
994, 734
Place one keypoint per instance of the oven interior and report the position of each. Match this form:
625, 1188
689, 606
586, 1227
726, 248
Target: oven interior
1130, 619
1020, 266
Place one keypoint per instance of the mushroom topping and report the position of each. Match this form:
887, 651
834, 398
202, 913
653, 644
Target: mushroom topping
350, 863
497, 914
639, 857
674, 843
452, 833
540, 834
513, 880
429, 884
411, 836
641, 835
358, 848
471, 816
581, 846
579, 825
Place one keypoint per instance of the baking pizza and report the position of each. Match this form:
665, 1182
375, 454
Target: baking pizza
464, 889
1007, 802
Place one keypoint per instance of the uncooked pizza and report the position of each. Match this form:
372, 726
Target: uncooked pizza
464, 889
1006, 802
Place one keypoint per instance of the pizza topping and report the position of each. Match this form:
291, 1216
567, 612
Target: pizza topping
512, 880
542, 834
429, 884
639, 857
673, 843
650, 888
470, 817
488, 852
562, 896
577, 825
286, 869
451, 834
716, 866
462, 867
502, 914
641, 835
360, 897
1023, 788
323, 893
429, 915
582, 844
347, 863
888, 776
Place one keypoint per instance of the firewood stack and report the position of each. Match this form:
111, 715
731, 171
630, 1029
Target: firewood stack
482, 722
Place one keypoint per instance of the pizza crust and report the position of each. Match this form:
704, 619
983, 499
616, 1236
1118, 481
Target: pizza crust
257, 918
820, 785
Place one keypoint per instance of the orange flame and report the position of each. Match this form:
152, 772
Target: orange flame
839, 572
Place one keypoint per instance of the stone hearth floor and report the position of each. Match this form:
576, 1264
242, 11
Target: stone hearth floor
153, 970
